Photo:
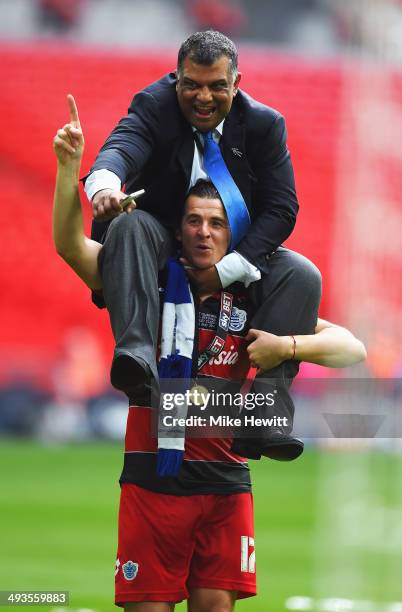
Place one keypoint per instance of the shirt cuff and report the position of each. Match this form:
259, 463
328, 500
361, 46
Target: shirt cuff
101, 179
234, 267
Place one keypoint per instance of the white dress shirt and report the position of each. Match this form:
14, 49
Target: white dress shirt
233, 267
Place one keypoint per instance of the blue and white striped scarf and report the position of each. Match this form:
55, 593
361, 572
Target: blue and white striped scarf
177, 344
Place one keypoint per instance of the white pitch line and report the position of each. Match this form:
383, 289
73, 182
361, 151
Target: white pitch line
299, 603
72, 610
337, 604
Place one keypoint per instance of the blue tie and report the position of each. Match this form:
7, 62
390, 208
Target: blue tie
235, 206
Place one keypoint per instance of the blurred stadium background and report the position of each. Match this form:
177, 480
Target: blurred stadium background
329, 527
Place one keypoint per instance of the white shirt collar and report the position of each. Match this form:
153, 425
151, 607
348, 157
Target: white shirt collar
219, 128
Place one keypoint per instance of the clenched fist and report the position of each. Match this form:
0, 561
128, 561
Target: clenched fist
266, 350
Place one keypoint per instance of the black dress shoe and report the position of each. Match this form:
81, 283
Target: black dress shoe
129, 374
278, 445
275, 441
141, 396
282, 447
247, 447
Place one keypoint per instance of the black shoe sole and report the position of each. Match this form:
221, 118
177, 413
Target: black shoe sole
279, 449
283, 450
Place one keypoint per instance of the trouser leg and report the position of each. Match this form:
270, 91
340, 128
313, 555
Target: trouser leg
136, 248
288, 298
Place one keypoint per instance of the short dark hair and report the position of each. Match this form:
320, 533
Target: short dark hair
206, 48
204, 189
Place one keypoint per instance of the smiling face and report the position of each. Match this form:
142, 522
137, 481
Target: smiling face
205, 93
204, 232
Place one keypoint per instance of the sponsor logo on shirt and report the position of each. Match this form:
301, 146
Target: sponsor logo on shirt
225, 357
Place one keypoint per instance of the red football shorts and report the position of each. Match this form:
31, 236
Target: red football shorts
169, 545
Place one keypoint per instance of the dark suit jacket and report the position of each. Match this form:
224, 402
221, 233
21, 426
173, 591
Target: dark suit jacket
152, 148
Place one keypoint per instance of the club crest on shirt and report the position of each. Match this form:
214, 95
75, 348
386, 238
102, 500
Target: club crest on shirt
237, 320
130, 570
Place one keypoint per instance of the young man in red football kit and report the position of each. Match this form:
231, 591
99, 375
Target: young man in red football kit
191, 536
207, 508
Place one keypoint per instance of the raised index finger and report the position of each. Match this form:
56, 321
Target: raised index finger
74, 119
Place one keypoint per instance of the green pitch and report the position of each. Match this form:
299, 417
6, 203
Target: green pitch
327, 525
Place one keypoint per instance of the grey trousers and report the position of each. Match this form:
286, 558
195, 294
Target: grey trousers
135, 250
137, 247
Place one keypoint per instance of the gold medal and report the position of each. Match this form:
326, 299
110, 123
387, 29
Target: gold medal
199, 395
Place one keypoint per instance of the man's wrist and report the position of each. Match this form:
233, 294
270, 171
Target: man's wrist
106, 189
289, 347
69, 171
99, 180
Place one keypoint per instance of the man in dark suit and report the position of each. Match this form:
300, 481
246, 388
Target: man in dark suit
159, 146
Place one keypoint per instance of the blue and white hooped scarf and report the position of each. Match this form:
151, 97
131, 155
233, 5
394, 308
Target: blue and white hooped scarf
177, 344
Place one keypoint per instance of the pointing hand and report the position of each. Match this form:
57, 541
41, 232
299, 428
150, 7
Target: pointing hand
68, 143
